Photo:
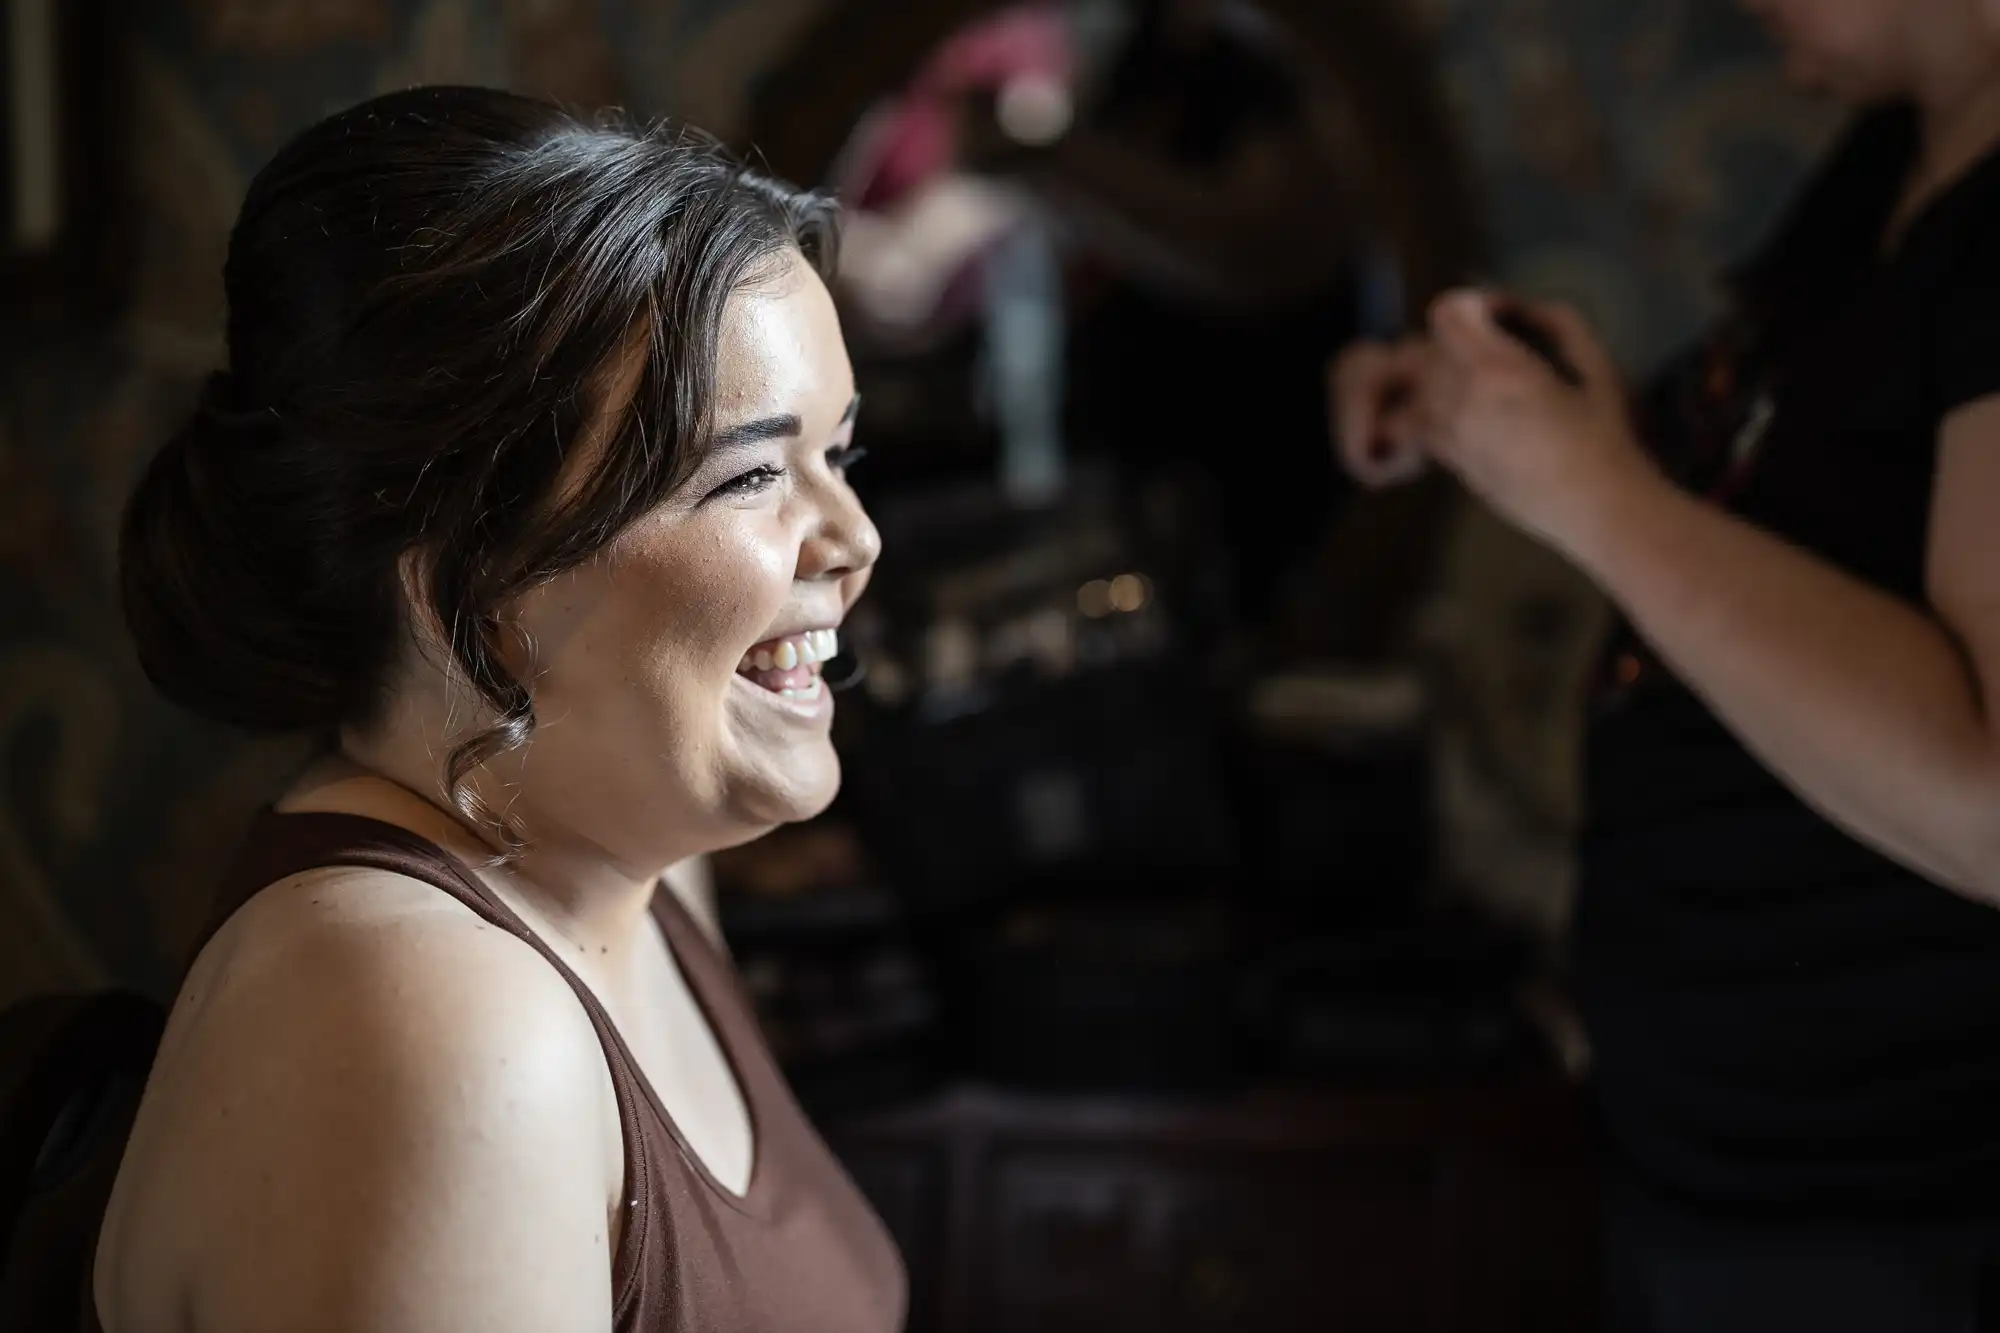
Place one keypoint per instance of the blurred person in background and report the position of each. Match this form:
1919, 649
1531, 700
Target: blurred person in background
1786, 948
533, 442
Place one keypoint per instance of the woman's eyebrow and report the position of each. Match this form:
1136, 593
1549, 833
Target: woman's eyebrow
774, 428
763, 428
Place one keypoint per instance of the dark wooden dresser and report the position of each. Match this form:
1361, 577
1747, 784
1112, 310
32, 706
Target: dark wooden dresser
1370, 1210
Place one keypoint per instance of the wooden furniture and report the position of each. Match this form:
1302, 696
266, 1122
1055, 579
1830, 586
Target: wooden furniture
1368, 1211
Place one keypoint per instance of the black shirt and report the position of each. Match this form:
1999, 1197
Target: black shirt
1784, 1020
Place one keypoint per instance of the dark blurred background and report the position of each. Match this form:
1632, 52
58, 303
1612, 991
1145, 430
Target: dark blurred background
1185, 950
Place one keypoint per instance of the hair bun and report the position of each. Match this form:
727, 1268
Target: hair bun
221, 619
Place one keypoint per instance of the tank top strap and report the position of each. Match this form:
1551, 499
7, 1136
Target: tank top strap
286, 843
281, 844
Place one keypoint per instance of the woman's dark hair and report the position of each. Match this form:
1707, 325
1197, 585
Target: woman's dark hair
424, 294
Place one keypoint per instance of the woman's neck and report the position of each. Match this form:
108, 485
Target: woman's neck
578, 898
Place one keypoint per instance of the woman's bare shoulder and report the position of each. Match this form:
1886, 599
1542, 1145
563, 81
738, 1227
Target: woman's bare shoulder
360, 1040
359, 948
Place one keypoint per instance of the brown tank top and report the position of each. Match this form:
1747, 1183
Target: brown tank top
800, 1252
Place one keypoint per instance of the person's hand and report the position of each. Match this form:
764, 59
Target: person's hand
1556, 460
1372, 386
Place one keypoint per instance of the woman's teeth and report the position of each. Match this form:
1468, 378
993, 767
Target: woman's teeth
807, 649
791, 666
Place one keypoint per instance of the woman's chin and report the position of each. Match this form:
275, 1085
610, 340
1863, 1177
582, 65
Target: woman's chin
802, 790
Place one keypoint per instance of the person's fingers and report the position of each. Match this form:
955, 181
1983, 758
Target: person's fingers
1358, 374
1397, 453
1401, 455
1372, 383
1435, 404
1409, 357
1394, 455
1578, 340
1456, 319
1463, 327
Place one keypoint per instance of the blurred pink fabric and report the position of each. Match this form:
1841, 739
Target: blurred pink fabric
916, 139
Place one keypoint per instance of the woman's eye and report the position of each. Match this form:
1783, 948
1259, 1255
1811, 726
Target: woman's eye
749, 483
844, 457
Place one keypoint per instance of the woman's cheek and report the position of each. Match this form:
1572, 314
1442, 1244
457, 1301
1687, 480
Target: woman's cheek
691, 596
745, 583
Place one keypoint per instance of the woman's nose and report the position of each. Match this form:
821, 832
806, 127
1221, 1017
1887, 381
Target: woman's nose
845, 541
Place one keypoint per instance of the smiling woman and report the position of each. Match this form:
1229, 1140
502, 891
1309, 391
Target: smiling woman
526, 490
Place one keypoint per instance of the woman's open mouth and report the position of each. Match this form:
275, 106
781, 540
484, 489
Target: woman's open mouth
790, 666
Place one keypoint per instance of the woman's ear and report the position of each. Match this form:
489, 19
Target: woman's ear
428, 676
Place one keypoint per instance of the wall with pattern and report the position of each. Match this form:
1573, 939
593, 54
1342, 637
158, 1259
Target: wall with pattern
1624, 147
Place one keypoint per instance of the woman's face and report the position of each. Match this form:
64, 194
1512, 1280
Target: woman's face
676, 678
1858, 50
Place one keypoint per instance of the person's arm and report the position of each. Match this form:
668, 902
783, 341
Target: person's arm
404, 1134
1874, 711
